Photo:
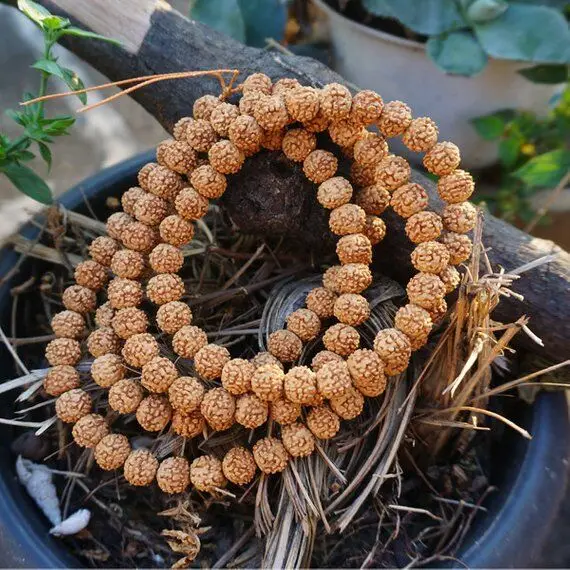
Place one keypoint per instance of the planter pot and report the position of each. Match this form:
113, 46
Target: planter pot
398, 68
531, 476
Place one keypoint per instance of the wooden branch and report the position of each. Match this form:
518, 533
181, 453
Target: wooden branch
270, 195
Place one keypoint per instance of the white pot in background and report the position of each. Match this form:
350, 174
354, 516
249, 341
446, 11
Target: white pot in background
398, 68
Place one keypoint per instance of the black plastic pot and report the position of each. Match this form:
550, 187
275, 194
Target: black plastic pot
511, 534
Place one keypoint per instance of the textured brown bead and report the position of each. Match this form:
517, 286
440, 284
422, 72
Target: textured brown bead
226, 157
396, 118
284, 85
374, 229
158, 374
179, 129
63, 351
349, 405
409, 199
140, 237
336, 101
424, 226
354, 278
340, 338
130, 198
177, 155
271, 113
128, 264
284, 412
251, 411
319, 123
203, 106
90, 430
354, 248
393, 347
117, 223
249, 101
143, 174
450, 278
208, 182
267, 382
373, 199
151, 209
172, 316
176, 230
362, 176
218, 408
68, 324
257, 82
112, 451
367, 107
165, 288
459, 218
351, 309
200, 134
442, 159
370, 150
246, 134
166, 258
392, 171
140, 349
236, 376
300, 385
285, 345
164, 183
347, 219
331, 278
421, 135
438, 312
107, 370
456, 187
425, 290
60, 379
188, 340
173, 475
298, 440
320, 165
73, 405
154, 412
91, 274
186, 394
140, 468
79, 299
323, 357
189, 424
430, 257
206, 473
304, 323
345, 133
302, 103
333, 379
413, 321
270, 455
272, 140
124, 293
297, 144
102, 249
104, 315
130, 321
239, 466
323, 422
459, 246
125, 396
334, 192
191, 205
321, 301
263, 358
367, 372
222, 116
210, 360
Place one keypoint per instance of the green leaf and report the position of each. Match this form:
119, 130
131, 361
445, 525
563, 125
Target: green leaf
489, 127
378, 8
263, 19
73, 31
485, 10
545, 170
68, 76
45, 153
57, 126
28, 182
457, 53
550, 74
527, 33
558, 4
222, 15
17, 116
509, 150
55, 23
34, 11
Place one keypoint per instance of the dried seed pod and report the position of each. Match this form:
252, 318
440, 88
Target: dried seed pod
203, 106
166, 258
284, 412
367, 107
173, 475
351, 309
354, 278
246, 134
336, 101
270, 455
367, 372
165, 288
421, 135
206, 473
210, 360
297, 144
285, 345
425, 290
442, 159
107, 370
342, 339
90, 430
103, 341
144, 174
140, 237
172, 316
236, 376
186, 394
73, 405
188, 340
117, 223
324, 356
188, 425
239, 466
302, 103
140, 467
60, 379
459, 246
456, 187
323, 422
125, 396
430, 257
393, 347
320, 165
249, 102
158, 374
409, 199
349, 405
112, 451
319, 123
304, 323
424, 226
140, 349
257, 82
179, 130
208, 182
123, 293
267, 382
154, 412
392, 172
176, 230
104, 315
129, 199
226, 157
414, 321
333, 379
334, 192
362, 176
190, 205
102, 249
263, 358
298, 440
396, 118
218, 408
321, 301
459, 218
68, 324
271, 113
347, 219
128, 264
345, 133
177, 155
300, 385
222, 117
79, 299
370, 150
63, 351
151, 209
354, 248
200, 134
373, 199
450, 278
251, 411
91, 274
128, 322
164, 183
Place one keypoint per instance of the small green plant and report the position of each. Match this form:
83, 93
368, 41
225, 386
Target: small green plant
534, 154
37, 128
462, 34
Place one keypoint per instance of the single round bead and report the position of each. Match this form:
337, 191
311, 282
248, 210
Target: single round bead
349, 405
222, 116
352, 309
112, 451
321, 301
370, 150
392, 172
203, 106
249, 101
354, 248
304, 323
450, 278
130, 198
263, 358
421, 135
442, 159
107, 370
336, 101
334, 192
154, 412
60, 379
257, 82
367, 107
104, 315
347, 219
164, 183
91, 274
300, 385
177, 155
206, 473
342, 339
271, 113
345, 133
140, 349
218, 408
367, 372
117, 223
239, 466
285, 345
151, 209
324, 356
90, 430
425, 290
210, 360
424, 226
331, 279
236, 376
270, 455
186, 394
103, 248
246, 134
297, 144
140, 468
251, 411
166, 258
333, 379
374, 229
459, 218
298, 440
172, 316
456, 187
63, 351
173, 475
458, 245
354, 278
140, 237
165, 288
409, 199
128, 264
430, 257
396, 118
320, 165
176, 230
125, 396
158, 374
144, 173
79, 299
73, 405
188, 340
362, 176
226, 157
199, 134
393, 347
323, 422
284, 85
373, 199
267, 382
413, 321
302, 103
123, 293
208, 182
284, 412
190, 205
128, 322
68, 324
188, 425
